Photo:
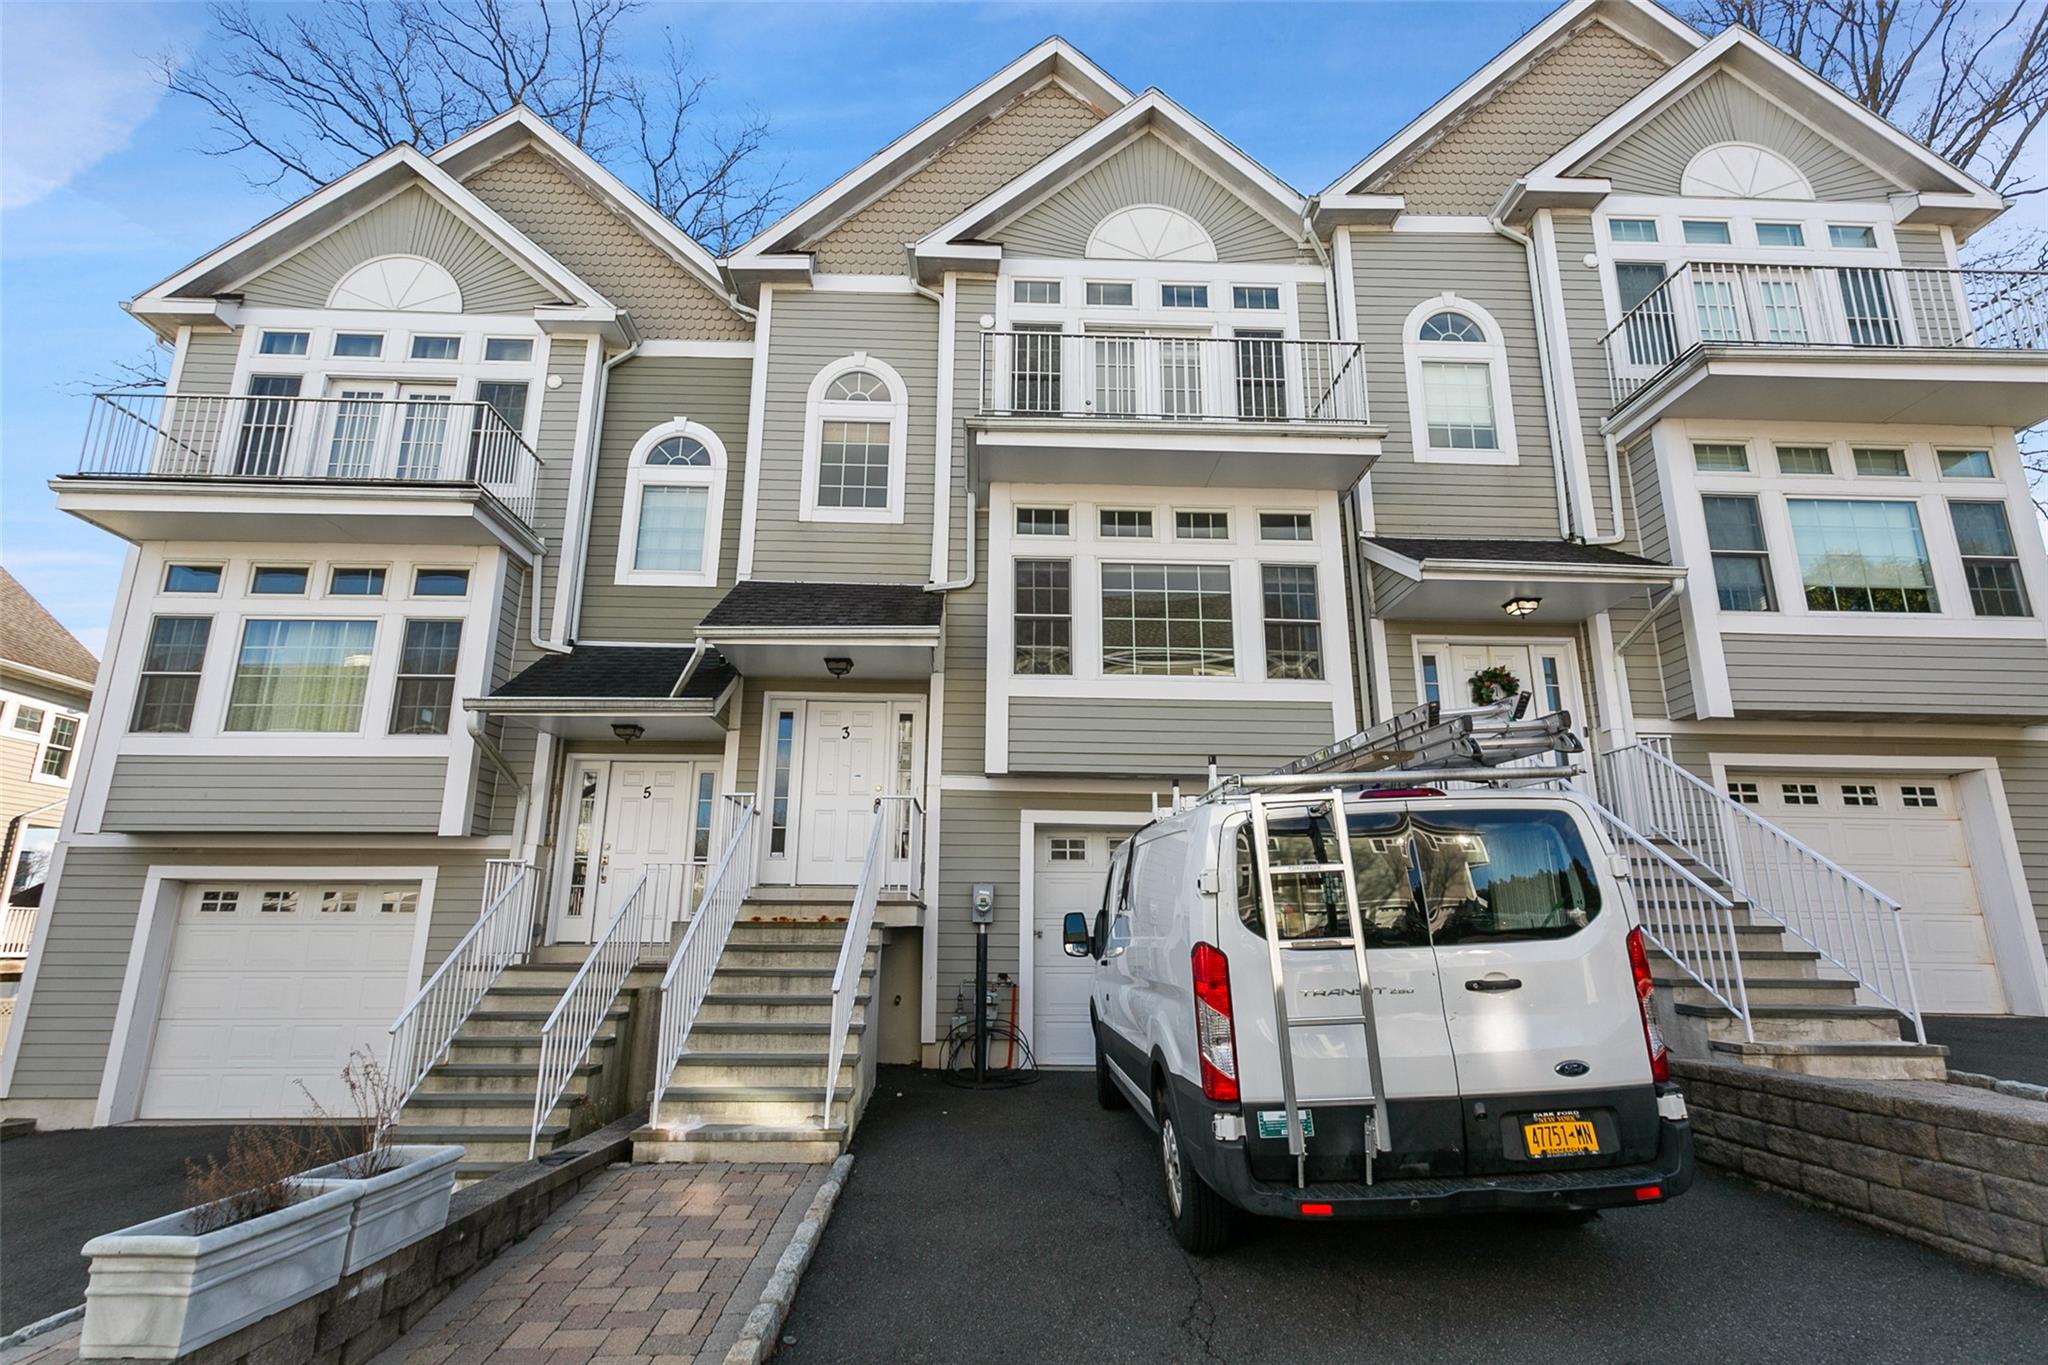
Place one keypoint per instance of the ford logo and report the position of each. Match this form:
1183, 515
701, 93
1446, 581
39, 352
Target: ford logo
1572, 1068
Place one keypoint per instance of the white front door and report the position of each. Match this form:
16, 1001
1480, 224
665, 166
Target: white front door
624, 817
271, 985
1071, 866
824, 761
1546, 669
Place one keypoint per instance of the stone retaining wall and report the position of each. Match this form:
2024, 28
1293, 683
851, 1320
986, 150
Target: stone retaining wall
1960, 1168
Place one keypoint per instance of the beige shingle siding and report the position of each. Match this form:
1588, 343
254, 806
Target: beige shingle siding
1564, 93
976, 165
410, 223
1652, 159
610, 253
1146, 171
642, 394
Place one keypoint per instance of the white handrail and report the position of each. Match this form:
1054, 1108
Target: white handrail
860, 922
501, 935
690, 971
572, 1026
1849, 922
1694, 925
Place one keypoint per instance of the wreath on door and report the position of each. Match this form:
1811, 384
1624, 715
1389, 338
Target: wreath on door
1490, 685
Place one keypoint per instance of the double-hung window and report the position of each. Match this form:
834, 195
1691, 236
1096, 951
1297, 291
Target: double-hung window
1294, 630
1043, 625
306, 675
1171, 619
1991, 564
57, 750
168, 687
1742, 567
1862, 555
425, 696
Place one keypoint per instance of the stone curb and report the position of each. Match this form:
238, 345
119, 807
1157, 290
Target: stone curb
41, 1326
2017, 1089
758, 1338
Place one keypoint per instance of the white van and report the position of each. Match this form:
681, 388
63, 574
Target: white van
1508, 1062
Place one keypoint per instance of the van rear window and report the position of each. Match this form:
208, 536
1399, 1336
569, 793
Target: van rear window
1440, 877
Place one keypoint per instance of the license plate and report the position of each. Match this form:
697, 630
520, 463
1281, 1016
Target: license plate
1559, 1135
1273, 1122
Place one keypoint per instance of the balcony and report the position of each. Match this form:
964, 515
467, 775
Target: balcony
1833, 343
414, 469
1174, 409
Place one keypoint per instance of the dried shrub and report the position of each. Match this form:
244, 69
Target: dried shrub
358, 1140
257, 1177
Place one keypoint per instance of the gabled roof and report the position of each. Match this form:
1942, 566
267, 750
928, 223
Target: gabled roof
1053, 59
1152, 112
519, 127
33, 639
189, 291
1943, 193
1646, 24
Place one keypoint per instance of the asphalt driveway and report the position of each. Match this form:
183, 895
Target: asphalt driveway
1027, 1225
60, 1190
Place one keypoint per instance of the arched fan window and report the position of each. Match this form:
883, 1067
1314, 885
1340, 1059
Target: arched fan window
674, 507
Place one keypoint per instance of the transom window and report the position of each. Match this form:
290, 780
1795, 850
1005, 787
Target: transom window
854, 442
1171, 619
1043, 521
1780, 234
1201, 525
1720, 457
1451, 327
1632, 229
1127, 524
1852, 236
674, 507
1287, 526
358, 345
1110, 294
282, 343
271, 580
1259, 298
345, 582
196, 578
436, 348
1862, 555
307, 676
1035, 291
1804, 460
508, 349
1706, 232
1965, 464
1880, 463
1183, 296
1991, 563
440, 583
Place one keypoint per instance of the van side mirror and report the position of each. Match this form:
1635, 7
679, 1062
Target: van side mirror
1074, 935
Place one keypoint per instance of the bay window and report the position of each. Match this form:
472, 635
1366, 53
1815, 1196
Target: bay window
168, 686
1294, 631
1862, 555
301, 675
1167, 619
425, 696
1991, 564
1044, 619
1742, 568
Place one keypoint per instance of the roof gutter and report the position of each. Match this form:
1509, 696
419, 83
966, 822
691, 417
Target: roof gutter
690, 668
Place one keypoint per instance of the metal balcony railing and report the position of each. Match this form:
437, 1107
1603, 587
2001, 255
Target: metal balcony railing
346, 439
1164, 377
1720, 304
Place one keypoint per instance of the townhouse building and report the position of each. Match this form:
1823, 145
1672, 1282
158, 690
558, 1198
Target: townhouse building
512, 584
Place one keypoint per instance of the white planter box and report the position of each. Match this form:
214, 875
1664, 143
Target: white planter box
397, 1207
157, 1291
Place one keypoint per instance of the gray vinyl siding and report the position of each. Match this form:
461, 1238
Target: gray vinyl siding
1921, 248
1652, 159
807, 331
642, 394
411, 223
966, 664
209, 365
2022, 769
555, 443
1839, 677
1145, 171
199, 793
1312, 299
1659, 664
973, 299
1388, 588
69, 1023
495, 798
1586, 322
1938, 314
1166, 737
979, 842
1393, 273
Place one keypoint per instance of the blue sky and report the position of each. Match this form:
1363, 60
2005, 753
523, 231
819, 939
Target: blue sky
104, 191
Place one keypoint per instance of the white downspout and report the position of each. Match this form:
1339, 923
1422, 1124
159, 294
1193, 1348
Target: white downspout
1558, 456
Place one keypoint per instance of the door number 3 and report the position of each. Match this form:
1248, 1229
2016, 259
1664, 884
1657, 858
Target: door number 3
846, 732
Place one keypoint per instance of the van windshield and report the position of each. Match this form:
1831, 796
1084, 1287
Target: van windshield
1455, 876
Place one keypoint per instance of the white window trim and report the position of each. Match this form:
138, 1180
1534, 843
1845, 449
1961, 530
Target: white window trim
1495, 353
10, 706
639, 477
817, 412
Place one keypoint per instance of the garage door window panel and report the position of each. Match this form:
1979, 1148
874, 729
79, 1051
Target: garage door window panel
301, 676
1862, 555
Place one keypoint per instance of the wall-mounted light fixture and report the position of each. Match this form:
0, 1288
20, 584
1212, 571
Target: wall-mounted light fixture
627, 731
1521, 606
838, 665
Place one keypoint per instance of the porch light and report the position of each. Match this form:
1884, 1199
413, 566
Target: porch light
1521, 606
627, 731
838, 665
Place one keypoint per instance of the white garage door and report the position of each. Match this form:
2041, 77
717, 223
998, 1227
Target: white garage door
1071, 865
271, 984
1903, 834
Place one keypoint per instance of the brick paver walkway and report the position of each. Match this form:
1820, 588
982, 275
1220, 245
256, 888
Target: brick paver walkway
654, 1265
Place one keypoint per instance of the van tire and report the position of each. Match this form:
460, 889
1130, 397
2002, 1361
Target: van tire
1108, 1094
1201, 1220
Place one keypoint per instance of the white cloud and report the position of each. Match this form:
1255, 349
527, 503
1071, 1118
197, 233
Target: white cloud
76, 81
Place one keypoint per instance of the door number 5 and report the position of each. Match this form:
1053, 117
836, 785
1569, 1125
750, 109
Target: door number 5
647, 793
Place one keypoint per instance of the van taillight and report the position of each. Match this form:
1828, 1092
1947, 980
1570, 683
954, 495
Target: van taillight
1214, 1032
1639, 965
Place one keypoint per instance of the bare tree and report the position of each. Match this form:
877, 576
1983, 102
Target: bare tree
298, 96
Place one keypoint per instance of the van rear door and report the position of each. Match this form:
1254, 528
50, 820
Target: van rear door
1532, 955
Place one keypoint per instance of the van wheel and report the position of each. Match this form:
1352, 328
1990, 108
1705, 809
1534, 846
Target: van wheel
1107, 1093
1200, 1218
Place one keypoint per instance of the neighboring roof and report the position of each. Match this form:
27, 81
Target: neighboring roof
623, 671
1053, 59
1646, 24
759, 604
32, 638
1423, 549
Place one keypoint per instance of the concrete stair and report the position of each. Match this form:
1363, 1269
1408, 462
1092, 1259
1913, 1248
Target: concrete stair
1806, 1015
751, 1085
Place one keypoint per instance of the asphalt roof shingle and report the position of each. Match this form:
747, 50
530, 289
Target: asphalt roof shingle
1513, 551
628, 672
30, 635
799, 606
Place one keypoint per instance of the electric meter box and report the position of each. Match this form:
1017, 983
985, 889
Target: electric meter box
983, 910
